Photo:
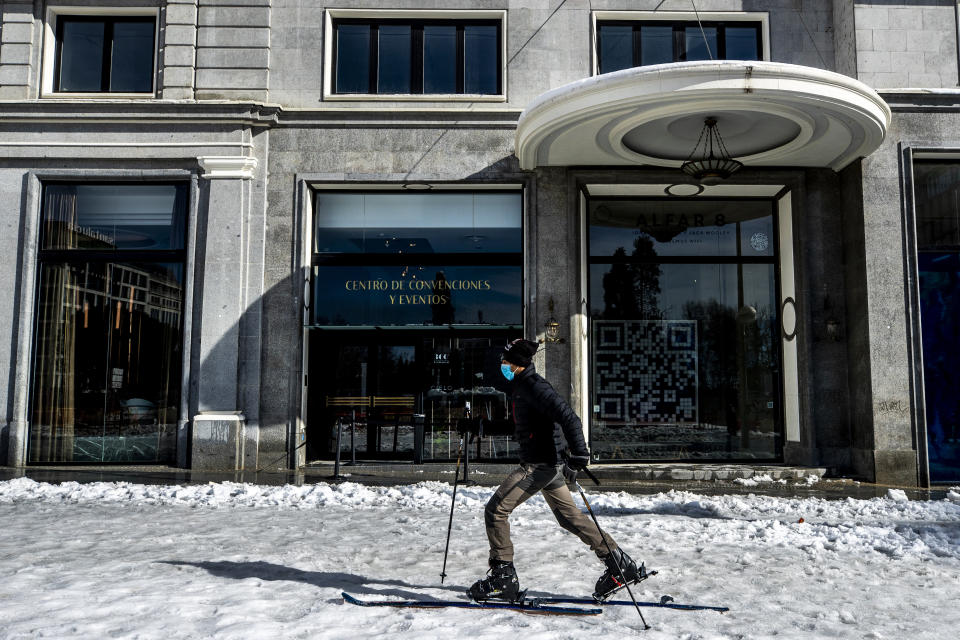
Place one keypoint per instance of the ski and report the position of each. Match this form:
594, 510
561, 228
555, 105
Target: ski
666, 602
525, 607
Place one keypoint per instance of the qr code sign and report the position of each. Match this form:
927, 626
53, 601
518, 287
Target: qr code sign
645, 371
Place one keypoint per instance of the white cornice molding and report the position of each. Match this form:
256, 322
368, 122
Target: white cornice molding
785, 115
232, 167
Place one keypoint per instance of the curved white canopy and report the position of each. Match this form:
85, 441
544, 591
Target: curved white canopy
768, 113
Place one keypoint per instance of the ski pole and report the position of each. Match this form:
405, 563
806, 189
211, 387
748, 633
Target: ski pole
453, 501
583, 497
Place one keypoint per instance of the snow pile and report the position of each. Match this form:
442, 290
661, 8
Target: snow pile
753, 481
242, 561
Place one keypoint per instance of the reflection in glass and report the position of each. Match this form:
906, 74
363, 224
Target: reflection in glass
937, 187
81, 55
393, 64
376, 384
353, 58
117, 216
741, 43
405, 223
656, 45
701, 45
937, 197
616, 47
684, 354
682, 228
481, 55
940, 308
106, 384
131, 61
439, 59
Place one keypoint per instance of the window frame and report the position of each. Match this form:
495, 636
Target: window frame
416, 19
52, 47
679, 20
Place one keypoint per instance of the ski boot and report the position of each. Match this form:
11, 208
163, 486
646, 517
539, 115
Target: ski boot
501, 583
611, 582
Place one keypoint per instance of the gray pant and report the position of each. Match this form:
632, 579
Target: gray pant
521, 485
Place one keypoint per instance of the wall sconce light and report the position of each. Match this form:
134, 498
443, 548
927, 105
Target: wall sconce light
553, 327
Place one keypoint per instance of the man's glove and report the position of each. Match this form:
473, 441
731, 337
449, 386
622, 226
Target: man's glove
572, 465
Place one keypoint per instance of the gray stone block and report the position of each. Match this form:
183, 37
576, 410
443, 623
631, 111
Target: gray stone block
872, 17
234, 16
179, 56
873, 61
17, 12
232, 79
919, 40
14, 92
233, 37
178, 34
15, 74
865, 40
904, 17
178, 76
181, 14
17, 32
217, 439
15, 54
227, 58
890, 40
177, 93
261, 95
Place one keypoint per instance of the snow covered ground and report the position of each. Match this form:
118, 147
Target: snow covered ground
108, 560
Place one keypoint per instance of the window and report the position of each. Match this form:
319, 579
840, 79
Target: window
684, 330
937, 194
108, 337
414, 296
625, 44
417, 57
104, 54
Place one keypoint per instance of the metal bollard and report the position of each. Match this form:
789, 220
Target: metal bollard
336, 464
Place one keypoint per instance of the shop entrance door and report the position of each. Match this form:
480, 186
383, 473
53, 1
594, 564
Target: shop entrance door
375, 388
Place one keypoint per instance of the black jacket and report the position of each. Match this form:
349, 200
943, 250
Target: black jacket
540, 414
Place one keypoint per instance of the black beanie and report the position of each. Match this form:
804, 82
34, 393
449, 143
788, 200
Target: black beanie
520, 352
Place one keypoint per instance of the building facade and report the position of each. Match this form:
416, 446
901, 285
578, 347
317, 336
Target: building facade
250, 234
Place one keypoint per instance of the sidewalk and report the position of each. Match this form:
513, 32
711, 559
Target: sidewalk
708, 479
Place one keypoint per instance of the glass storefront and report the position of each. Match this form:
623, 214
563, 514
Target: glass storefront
414, 296
108, 336
937, 186
683, 342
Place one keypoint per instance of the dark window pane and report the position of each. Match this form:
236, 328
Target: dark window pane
697, 48
480, 44
645, 229
106, 379
114, 216
131, 64
439, 59
353, 58
616, 48
656, 45
418, 223
938, 205
684, 361
81, 56
741, 43
393, 73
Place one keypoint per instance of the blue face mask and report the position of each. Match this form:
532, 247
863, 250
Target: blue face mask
506, 371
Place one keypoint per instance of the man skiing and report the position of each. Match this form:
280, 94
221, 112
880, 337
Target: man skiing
540, 415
